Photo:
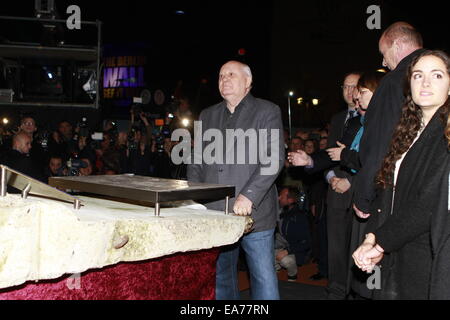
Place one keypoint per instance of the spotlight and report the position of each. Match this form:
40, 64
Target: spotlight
185, 122
315, 102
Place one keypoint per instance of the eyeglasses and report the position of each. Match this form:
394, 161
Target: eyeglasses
345, 87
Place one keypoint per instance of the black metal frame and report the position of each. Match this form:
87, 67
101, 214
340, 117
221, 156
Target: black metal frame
31, 49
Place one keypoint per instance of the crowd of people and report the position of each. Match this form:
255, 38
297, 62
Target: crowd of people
71, 150
368, 190
393, 220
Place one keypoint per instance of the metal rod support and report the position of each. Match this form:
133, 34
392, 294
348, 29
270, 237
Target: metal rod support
26, 190
3, 183
99, 48
44, 20
289, 113
226, 204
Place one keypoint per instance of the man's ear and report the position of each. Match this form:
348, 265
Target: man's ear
248, 82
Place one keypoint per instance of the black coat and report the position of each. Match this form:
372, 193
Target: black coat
322, 160
381, 119
294, 227
404, 234
440, 240
24, 164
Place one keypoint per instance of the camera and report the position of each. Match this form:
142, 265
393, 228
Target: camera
74, 166
132, 143
83, 128
161, 133
302, 201
159, 141
137, 110
42, 139
96, 139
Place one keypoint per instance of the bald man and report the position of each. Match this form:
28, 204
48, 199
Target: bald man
255, 191
18, 157
398, 45
22, 143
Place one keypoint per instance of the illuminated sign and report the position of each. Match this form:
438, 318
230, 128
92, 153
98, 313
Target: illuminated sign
123, 77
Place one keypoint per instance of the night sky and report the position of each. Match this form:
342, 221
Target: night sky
305, 46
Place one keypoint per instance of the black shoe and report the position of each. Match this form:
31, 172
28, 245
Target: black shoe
317, 276
292, 278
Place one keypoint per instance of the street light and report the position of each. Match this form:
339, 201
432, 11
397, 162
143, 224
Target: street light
185, 122
315, 102
291, 94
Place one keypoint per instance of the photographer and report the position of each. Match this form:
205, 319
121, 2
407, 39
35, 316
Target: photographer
86, 168
163, 166
140, 155
107, 149
121, 145
61, 141
293, 238
55, 167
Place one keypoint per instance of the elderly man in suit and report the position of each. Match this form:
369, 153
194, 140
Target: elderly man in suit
256, 194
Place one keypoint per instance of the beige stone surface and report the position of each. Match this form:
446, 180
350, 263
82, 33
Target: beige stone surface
44, 239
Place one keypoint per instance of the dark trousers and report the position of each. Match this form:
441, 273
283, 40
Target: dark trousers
339, 222
323, 245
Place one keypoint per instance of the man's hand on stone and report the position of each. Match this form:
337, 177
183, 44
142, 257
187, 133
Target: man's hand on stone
242, 206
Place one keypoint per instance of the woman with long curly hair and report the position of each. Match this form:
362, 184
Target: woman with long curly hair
412, 185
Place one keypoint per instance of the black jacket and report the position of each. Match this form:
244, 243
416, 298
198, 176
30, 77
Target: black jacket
381, 119
404, 234
24, 164
440, 240
322, 160
294, 228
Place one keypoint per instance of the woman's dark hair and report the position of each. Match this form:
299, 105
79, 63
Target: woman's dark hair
370, 80
410, 123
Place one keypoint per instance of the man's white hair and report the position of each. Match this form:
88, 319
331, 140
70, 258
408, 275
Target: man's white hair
247, 70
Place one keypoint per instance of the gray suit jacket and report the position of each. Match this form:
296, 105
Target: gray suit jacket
247, 178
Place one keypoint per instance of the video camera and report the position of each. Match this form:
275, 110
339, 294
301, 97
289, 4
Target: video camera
137, 108
132, 144
83, 128
42, 139
74, 166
